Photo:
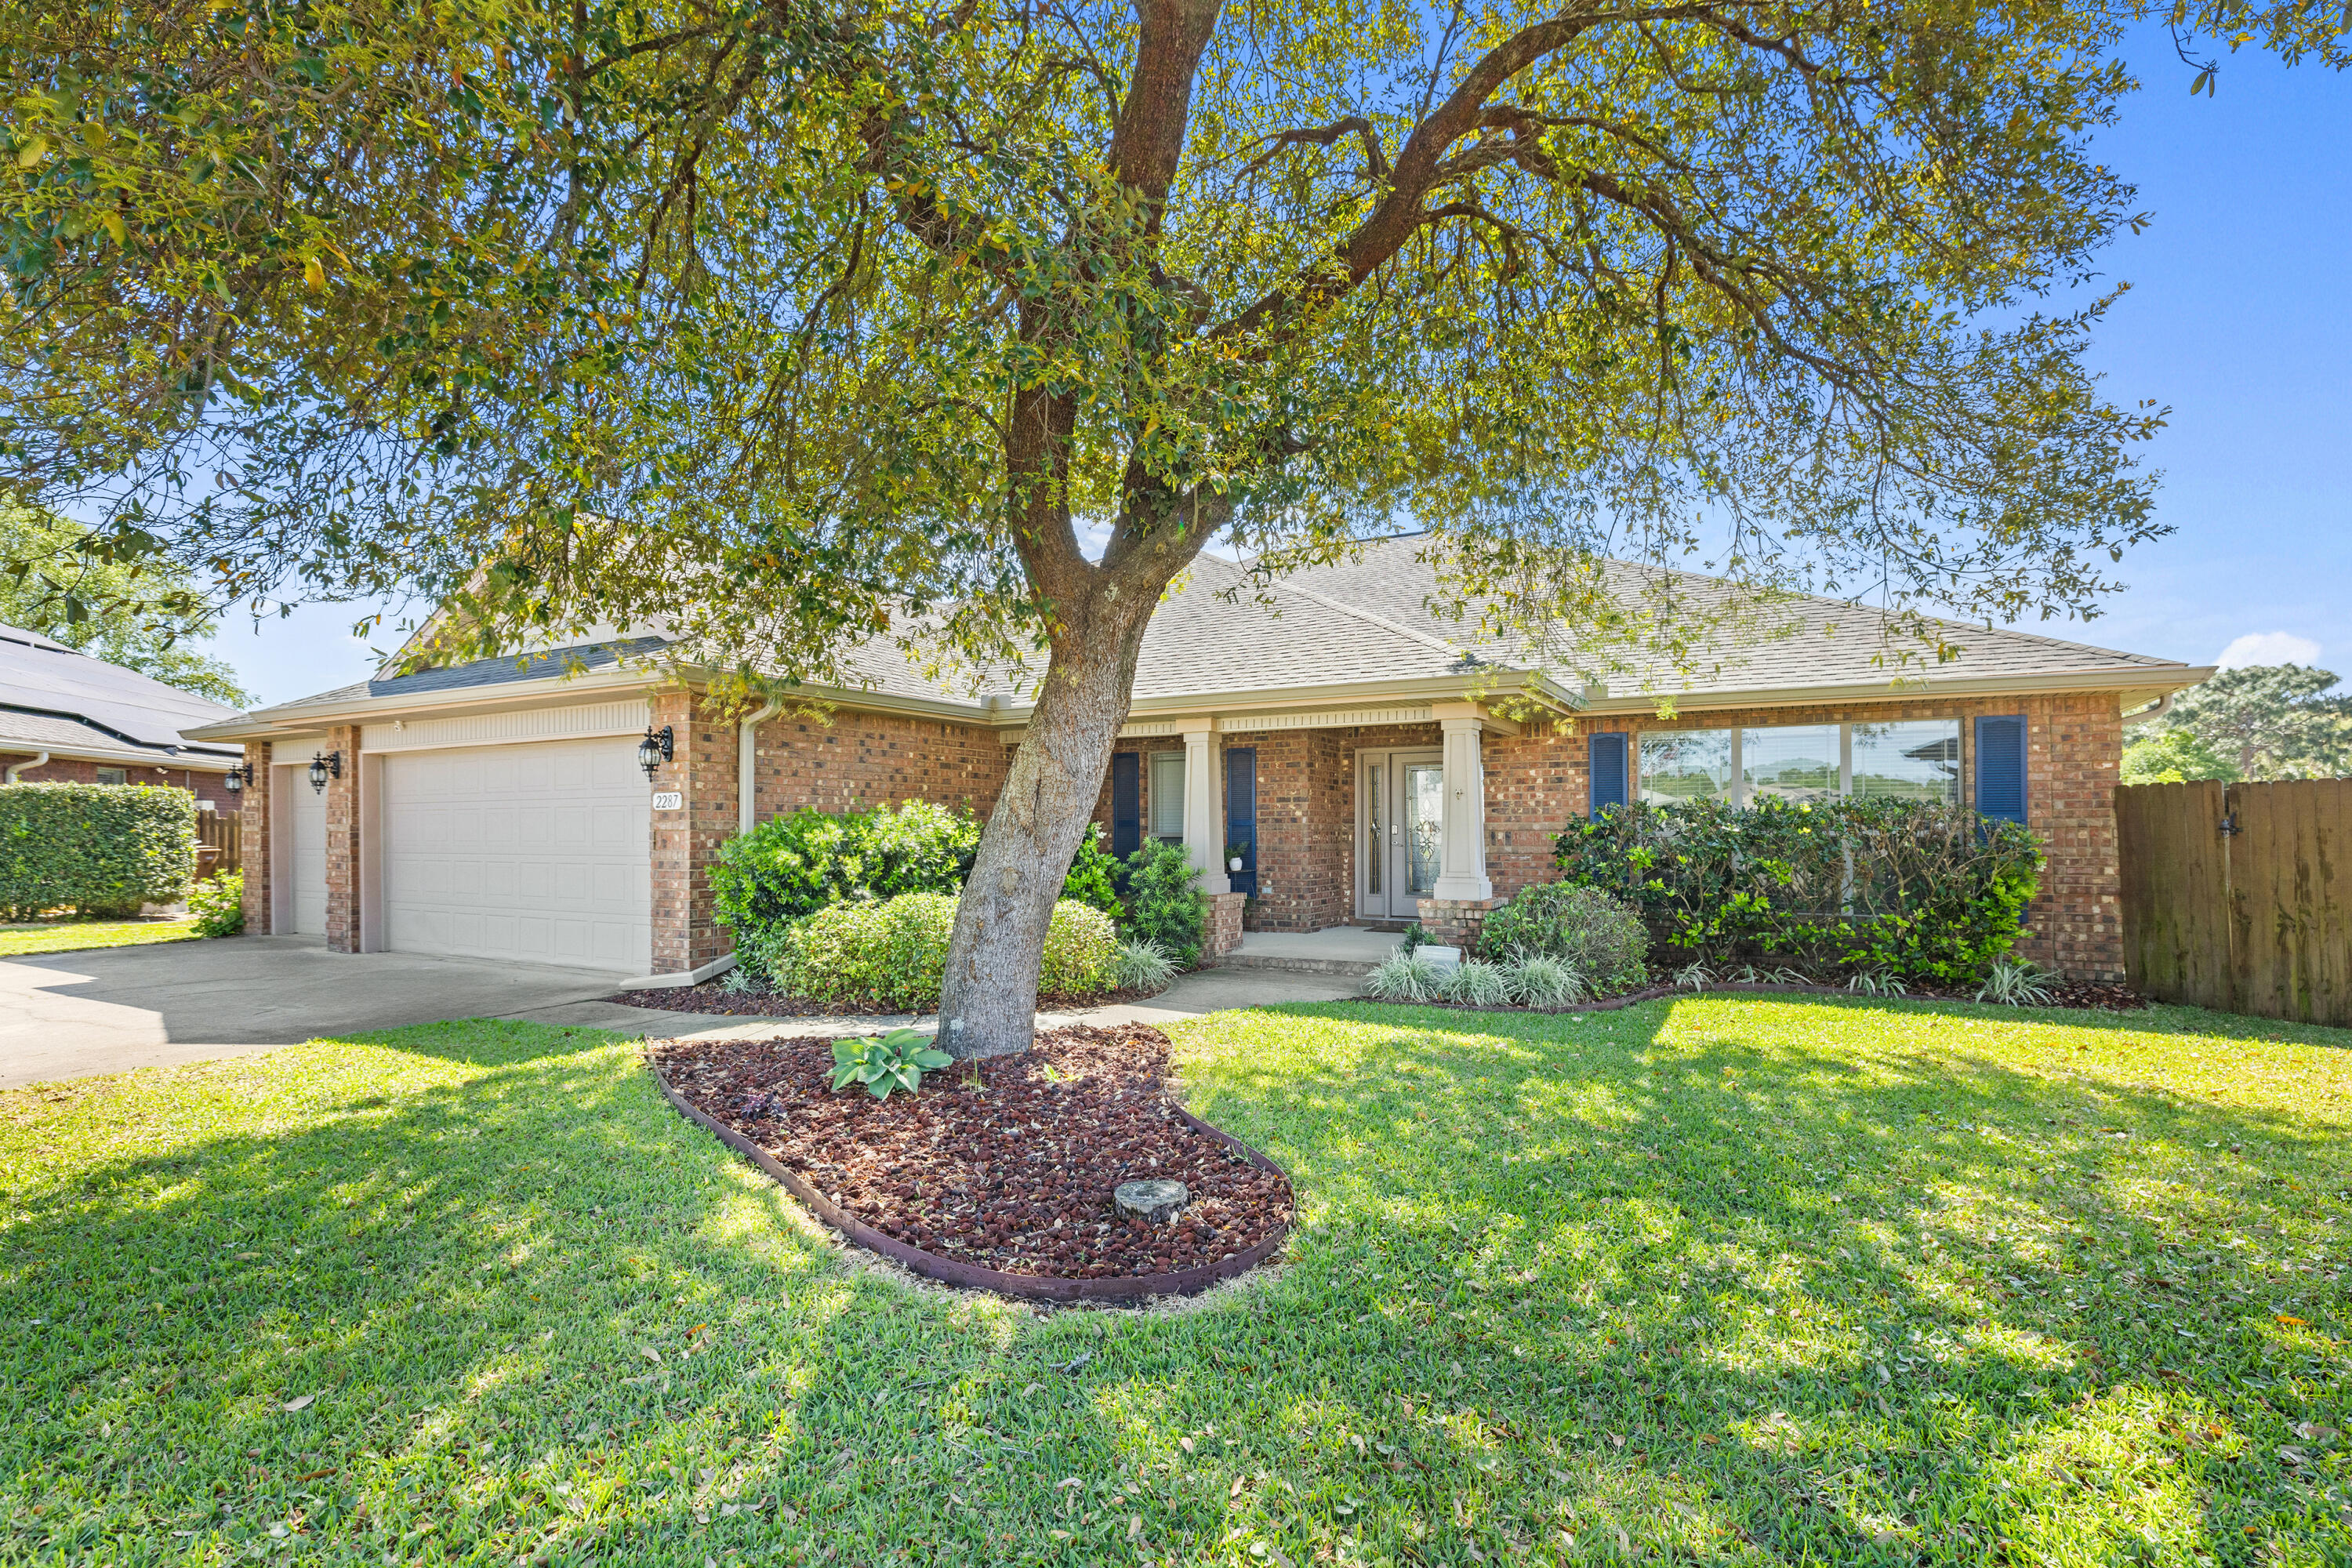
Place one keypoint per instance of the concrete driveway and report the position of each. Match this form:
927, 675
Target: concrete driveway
68, 1014
73, 1015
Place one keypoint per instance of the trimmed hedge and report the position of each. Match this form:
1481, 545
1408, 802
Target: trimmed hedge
96, 850
1924, 892
894, 952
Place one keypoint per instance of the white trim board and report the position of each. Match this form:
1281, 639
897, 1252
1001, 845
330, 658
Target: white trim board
586, 721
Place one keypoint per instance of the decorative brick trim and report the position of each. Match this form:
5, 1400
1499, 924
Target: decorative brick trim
254, 835
1224, 924
1454, 922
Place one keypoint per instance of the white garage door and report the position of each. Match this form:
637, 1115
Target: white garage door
308, 814
535, 852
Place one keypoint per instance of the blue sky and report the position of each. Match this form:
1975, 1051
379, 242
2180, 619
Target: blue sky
2239, 319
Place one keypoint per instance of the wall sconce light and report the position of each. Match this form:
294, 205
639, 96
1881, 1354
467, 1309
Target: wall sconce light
324, 767
238, 777
656, 748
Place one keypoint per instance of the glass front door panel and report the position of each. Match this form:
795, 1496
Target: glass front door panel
1424, 804
1376, 849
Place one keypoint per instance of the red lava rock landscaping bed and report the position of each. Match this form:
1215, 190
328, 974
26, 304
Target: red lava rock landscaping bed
1006, 1164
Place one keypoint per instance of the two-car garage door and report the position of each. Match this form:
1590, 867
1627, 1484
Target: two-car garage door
538, 852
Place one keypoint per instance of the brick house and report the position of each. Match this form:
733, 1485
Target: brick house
1360, 756
67, 718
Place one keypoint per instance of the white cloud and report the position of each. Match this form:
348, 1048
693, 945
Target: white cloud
2269, 647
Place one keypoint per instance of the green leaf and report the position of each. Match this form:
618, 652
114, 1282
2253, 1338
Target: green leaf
928, 1060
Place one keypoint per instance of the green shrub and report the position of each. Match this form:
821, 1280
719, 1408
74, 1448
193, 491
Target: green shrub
894, 951
1597, 935
1922, 892
97, 849
217, 904
1163, 901
1476, 983
790, 867
1094, 874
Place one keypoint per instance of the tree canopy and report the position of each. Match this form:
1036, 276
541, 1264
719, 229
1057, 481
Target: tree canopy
2260, 721
798, 322
142, 614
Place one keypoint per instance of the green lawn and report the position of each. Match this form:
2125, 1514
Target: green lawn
1744, 1280
18, 942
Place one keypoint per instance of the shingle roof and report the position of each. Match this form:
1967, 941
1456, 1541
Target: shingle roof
1369, 619
44, 683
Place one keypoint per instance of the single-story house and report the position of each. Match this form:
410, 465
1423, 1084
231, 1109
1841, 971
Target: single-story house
67, 718
1360, 755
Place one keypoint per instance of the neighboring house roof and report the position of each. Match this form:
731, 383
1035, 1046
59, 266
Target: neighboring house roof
55, 700
1365, 625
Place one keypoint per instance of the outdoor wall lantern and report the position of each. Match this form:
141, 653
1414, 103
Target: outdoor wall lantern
329, 766
656, 748
238, 777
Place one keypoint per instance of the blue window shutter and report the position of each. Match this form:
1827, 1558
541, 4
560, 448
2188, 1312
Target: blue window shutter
2000, 767
1126, 803
1241, 812
1608, 771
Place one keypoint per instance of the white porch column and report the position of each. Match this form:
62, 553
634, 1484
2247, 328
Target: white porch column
1462, 864
1204, 808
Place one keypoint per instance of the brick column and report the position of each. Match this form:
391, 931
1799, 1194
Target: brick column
1456, 922
1224, 924
702, 773
342, 841
253, 838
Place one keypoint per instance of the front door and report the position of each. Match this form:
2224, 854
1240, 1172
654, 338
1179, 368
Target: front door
1400, 804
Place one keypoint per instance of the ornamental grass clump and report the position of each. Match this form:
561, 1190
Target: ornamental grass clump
1542, 982
1143, 965
1477, 984
1405, 977
1593, 932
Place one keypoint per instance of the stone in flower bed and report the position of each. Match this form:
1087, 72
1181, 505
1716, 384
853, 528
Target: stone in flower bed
1009, 1163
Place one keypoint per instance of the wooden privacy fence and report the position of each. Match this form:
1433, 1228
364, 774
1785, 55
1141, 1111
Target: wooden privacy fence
220, 843
2240, 896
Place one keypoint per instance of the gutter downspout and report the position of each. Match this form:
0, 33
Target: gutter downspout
2162, 706
746, 745
15, 768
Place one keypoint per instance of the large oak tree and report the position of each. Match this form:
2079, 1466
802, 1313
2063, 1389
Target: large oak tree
796, 325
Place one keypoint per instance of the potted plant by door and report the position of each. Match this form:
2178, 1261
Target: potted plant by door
1234, 853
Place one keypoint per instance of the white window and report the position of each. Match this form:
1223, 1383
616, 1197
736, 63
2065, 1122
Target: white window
1913, 760
1793, 762
1682, 765
1168, 795
114, 775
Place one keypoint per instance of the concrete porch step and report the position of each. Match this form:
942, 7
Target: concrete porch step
1350, 951
1295, 964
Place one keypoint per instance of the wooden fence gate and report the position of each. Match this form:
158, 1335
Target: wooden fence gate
220, 843
2239, 897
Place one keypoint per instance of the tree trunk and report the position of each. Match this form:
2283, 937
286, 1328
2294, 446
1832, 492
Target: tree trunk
988, 1004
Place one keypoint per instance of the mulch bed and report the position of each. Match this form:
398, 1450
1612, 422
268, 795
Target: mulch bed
1007, 1163
2081, 994
776, 1005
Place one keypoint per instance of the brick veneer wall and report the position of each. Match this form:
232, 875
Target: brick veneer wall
204, 785
860, 759
1535, 783
254, 841
343, 843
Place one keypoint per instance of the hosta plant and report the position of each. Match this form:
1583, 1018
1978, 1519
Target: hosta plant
885, 1062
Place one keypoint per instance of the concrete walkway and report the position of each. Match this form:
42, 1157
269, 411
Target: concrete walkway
75, 1015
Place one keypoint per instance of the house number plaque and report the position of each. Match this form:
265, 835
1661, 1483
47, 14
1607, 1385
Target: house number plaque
670, 800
